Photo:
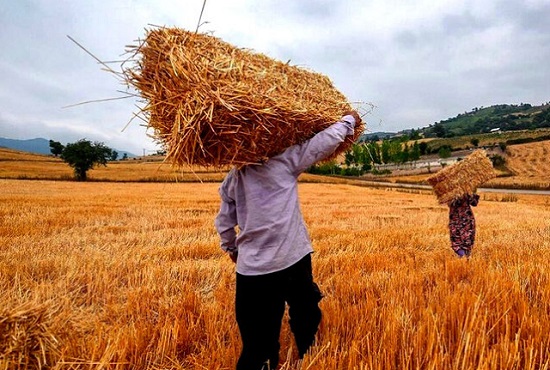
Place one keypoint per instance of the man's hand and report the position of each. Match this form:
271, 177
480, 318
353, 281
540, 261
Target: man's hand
233, 255
355, 116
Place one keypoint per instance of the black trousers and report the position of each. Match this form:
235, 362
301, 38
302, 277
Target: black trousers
260, 306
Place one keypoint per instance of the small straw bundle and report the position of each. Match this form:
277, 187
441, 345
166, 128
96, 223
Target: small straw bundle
212, 104
462, 177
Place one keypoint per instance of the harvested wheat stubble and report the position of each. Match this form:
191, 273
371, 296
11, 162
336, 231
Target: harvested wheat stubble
26, 340
462, 177
212, 104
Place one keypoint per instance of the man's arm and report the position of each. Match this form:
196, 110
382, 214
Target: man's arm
225, 223
300, 157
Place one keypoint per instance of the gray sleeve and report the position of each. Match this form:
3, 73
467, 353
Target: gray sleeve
226, 219
300, 157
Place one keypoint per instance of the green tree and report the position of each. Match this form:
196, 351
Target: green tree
415, 134
405, 154
415, 152
475, 141
353, 155
423, 146
56, 148
386, 151
85, 155
365, 159
444, 152
372, 151
439, 130
396, 151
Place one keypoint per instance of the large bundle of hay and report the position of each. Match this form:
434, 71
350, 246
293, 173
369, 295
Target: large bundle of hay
462, 177
212, 104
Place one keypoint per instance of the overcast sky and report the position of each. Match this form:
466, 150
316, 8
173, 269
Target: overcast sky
418, 62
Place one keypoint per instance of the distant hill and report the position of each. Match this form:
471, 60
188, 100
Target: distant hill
495, 118
377, 136
40, 146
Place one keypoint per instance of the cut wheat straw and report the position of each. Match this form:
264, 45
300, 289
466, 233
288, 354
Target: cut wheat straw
26, 340
462, 177
212, 104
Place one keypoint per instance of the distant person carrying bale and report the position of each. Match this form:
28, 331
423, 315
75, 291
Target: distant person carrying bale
456, 186
462, 224
272, 249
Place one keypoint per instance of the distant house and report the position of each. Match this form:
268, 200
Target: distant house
495, 130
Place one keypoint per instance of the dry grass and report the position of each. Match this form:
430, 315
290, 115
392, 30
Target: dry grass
529, 162
120, 276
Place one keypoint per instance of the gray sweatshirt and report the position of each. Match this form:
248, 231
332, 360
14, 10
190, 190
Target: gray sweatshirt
262, 201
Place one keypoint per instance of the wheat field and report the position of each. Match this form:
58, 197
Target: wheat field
530, 160
29, 166
130, 276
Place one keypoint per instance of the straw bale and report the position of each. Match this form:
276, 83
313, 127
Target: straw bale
212, 104
462, 177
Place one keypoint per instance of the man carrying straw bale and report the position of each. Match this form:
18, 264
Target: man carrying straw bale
213, 104
456, 186
272, 249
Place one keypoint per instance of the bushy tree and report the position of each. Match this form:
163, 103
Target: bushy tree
414, 155
444, 151
439, 130
423, 146
56, 148
385, 150
85, 155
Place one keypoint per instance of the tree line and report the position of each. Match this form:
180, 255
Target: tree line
365, 156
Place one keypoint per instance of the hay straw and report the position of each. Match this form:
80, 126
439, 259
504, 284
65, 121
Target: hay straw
462, 177
26, 339
212, 104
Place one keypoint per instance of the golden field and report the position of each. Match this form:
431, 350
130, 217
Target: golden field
114, 275
530, 161
29, 166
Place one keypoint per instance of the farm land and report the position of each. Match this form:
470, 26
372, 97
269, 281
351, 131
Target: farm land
125, 272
